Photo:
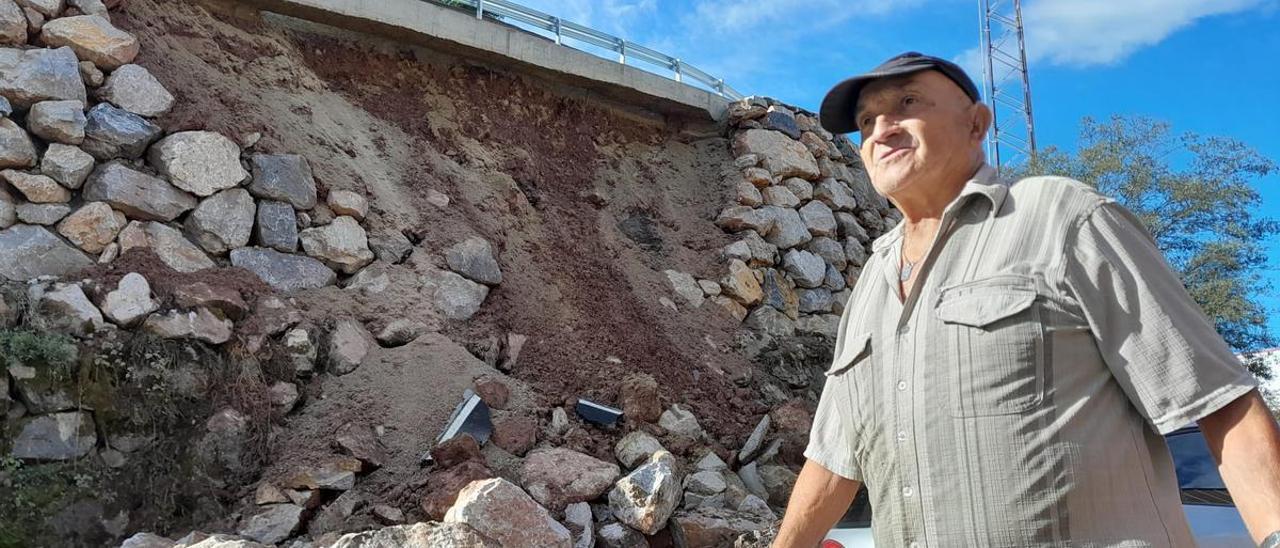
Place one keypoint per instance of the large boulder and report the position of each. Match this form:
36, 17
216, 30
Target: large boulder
818, 219
558, 477
199, 324
66, 164
199, 162
741, 284
418, 535
42, 214
111, 132
686, 287
779, 293
285, 178
277, 226
136, 194
781, 155
636, 448
38, 386
282, 271
64, 308
454, 296
13, 24
343, 245
807, 269
835, 194
92, 227
168, 243
28, 76
60, 436
499, 510
473, 258
346, 202
638, 396
16, 148
133, 88
348, 346
788, 229
37, 189
709, 527
616, 535
93, 38
646, 497
28, 252
130, 301
222, 222
58, 121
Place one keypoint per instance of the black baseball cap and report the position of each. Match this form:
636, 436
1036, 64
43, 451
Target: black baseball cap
837, 112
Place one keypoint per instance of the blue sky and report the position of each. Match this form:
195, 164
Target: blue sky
1176, 60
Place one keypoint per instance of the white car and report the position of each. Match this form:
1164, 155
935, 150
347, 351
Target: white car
1215, 523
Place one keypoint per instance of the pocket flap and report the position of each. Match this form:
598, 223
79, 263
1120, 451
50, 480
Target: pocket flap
855, 348
979, 309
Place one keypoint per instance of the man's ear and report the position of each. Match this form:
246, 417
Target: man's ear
980, 117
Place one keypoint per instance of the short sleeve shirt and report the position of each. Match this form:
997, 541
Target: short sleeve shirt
1019, 394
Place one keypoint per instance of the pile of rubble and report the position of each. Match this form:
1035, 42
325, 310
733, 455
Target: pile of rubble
554, 496
806, 213
88, 175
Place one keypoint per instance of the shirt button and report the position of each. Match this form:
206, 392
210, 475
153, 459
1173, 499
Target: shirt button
902, 385
905, 329
906, 491
902, 436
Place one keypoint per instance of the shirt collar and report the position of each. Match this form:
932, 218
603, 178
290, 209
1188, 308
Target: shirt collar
985, 182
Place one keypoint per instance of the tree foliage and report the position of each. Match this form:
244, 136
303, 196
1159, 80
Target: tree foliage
1196, 196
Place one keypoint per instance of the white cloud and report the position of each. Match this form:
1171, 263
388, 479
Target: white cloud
1102, 32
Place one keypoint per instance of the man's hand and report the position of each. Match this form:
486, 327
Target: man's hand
1244, 439
818, 500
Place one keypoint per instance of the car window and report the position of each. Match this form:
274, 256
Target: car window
859, 513
1194, 465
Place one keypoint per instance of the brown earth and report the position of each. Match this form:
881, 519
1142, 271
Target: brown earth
585, 202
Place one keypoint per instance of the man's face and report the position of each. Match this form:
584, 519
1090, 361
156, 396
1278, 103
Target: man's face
917, 127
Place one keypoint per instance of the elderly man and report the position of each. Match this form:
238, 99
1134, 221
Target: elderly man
1012, 353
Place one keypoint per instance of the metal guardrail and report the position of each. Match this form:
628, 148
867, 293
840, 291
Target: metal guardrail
563, 30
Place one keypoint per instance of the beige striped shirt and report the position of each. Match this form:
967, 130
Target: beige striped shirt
1019, 395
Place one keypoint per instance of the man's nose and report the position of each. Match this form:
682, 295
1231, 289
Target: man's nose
885, 127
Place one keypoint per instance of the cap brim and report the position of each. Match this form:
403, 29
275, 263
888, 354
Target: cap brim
836, 112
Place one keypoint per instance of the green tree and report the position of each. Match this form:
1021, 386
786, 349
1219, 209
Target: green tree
1195, 196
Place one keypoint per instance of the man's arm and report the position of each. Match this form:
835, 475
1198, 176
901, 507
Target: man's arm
818, 500
1244, 439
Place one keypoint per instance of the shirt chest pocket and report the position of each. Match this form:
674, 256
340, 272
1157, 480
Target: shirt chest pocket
854, 369
994, 353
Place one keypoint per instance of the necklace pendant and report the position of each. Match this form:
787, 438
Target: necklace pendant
905, 273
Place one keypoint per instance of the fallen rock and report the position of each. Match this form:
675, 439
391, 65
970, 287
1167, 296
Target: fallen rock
37, 189
807, 269
454, 296
780, 196
770, 321
92, 7
284, 272
277, 226
200, 162
42, 214
780, 294
66, 164
48, 8
347, 348
730, 306
639, 399
199, 324
147, 540
781, 155
222, 222
359, 441
133, 88
28, 252
58, 121
60, 436
337, 474
16, 148
387, 515
92, 227
130, 301
370, 280
686, 287
830, 250
646, 497
778, 482
616, 535
346, 202
679, 420
818, 219
91, 74
28, 76
741, 284
138, 195
300, 351
493, 392
283, 395
332, 518
636, 448
815, 301
755, 441
473, 258
38, 387
740, 218
747, 194
401, 332
284, 178
110, 132
342, 245
446, 484
93, 38
708, 527
223, 299
417, 535
497, 509
515, 435
758, 177
166, 242
391, 247
558, 477
275, 524
65, 309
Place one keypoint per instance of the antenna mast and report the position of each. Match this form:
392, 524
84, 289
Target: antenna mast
1007, 84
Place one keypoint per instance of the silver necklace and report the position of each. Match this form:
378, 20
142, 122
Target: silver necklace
904, 273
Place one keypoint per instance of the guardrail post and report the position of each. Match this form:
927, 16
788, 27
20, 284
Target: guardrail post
679, 75
622, 51
720, 86
556, 21
479, 9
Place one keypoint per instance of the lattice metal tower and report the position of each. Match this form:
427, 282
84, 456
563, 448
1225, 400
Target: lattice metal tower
1007, 84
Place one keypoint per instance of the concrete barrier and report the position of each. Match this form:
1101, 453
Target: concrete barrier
463, 34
